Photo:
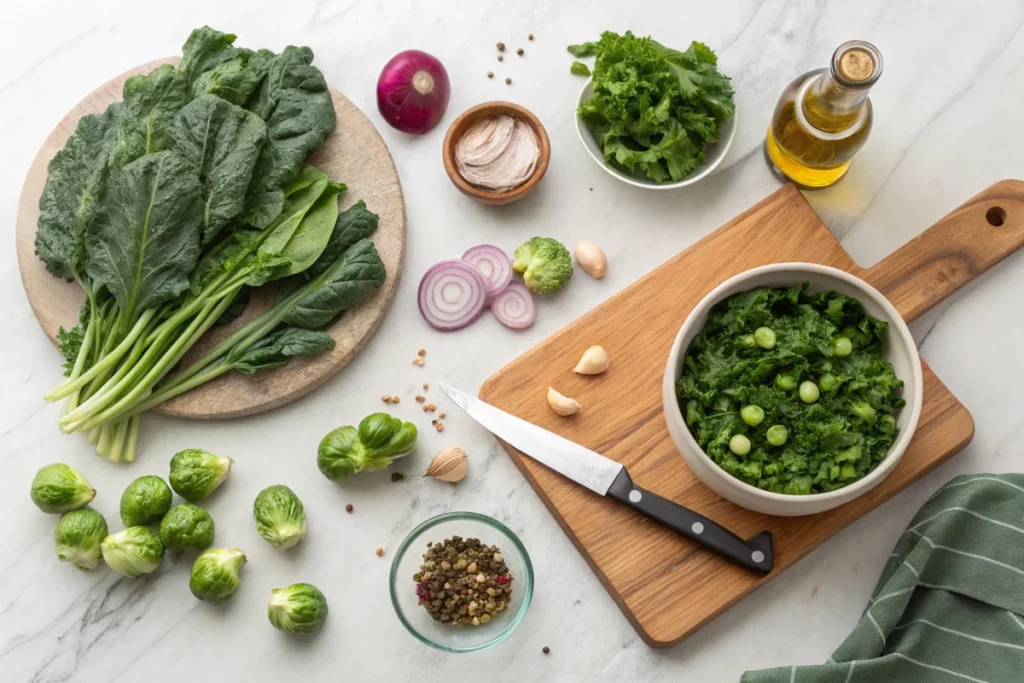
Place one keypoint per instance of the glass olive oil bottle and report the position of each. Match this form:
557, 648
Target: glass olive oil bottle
823, 117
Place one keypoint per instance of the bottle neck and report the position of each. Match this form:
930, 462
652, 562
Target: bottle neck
831, 106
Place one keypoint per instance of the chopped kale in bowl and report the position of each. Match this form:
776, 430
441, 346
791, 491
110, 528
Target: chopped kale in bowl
788, 390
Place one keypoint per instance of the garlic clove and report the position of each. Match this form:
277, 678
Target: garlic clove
592, 259
593, 362
562, 405
450, 464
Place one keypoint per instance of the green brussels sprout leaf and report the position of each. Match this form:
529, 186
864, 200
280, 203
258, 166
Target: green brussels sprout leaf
186, 527
59, 488
215, 574
145, 501
133, 551
280, 516
299, 609
373, 445
78, 537
195, 473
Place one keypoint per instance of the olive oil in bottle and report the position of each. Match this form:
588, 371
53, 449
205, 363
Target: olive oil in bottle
823, 118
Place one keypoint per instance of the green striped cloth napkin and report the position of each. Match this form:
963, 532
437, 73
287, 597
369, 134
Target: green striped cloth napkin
949, 606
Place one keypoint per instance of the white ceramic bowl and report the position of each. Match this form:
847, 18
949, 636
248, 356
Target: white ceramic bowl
712, 157
898, 348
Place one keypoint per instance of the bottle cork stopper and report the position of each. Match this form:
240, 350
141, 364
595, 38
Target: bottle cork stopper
856, 65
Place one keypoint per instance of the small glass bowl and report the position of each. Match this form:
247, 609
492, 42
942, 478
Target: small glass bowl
461, 638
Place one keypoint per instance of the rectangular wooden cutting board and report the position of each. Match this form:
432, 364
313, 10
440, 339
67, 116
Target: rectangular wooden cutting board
666, 585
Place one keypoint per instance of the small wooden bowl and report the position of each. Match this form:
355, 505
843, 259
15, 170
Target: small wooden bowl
471, 116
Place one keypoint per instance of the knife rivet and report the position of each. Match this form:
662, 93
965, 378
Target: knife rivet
698, 528
635, 496
757, 556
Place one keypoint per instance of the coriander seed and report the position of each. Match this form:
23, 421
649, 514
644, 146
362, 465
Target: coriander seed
519, 52
500, 58
530, 37
501, 46
379, 551
508, 81
490, 74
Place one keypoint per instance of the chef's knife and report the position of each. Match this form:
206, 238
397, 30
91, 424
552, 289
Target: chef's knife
609, 478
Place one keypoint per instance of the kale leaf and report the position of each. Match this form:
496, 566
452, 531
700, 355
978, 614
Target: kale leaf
147, 247
235, 79
296, 105
833, 441
654, 109
354, 277
77, 179
222, 141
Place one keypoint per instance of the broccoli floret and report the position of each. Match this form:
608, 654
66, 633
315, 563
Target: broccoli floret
544, 263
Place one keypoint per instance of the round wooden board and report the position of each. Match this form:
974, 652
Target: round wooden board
354, 154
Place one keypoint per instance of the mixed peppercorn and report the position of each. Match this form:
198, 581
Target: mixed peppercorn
463, 582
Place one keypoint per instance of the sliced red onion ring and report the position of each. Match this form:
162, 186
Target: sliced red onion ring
452, 294
493, 264
514, 307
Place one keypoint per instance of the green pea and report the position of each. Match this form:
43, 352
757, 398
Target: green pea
739, 444
752, 415
777, 435
809, 392
828, 381
785, 382
842, 346
764, 337
746, 341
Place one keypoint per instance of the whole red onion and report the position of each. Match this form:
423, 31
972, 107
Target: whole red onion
413, 91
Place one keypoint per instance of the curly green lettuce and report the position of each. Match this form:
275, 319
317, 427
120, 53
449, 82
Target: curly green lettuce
654, 109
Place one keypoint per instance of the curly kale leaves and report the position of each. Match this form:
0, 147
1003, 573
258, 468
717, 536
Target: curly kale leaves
654, 109
294, 101
832, 442
77, 178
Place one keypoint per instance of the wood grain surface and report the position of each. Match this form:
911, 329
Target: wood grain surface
354, 154
666, 585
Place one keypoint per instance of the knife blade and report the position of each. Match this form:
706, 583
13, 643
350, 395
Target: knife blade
606, 477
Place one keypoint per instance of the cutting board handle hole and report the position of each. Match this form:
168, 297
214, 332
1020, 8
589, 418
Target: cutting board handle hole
996, 216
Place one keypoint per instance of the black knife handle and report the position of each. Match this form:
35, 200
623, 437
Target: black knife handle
755, 554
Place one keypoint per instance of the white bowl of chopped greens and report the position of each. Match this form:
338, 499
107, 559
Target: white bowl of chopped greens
792, 389
651, 116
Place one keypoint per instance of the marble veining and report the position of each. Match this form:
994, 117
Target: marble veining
946, 125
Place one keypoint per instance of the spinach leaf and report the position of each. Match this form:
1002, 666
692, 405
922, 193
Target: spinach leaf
237, 307
222, 141
146, 248
832, 441
296, 105
348, 281
306, 190
313, 232
354, 223
278, 348
77, 179
235, 79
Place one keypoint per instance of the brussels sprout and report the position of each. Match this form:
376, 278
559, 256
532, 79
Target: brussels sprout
145, 501
280, 517
59, 488
133, 551
299, 609
78, 537
377, 441
545, 264
195, 473
186, 527
215, 574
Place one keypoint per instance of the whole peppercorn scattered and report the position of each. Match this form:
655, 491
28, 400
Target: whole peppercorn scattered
519, 52
546, 650
348, 508
501, 47
397, 476
490, 74
463, 582
508, 81
530, 36
500, 58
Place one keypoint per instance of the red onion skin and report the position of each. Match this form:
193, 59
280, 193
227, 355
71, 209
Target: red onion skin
413, 92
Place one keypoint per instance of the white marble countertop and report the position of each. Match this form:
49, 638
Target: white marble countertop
947, 124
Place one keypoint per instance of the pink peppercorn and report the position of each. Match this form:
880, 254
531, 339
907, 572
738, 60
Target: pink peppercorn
501, 579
